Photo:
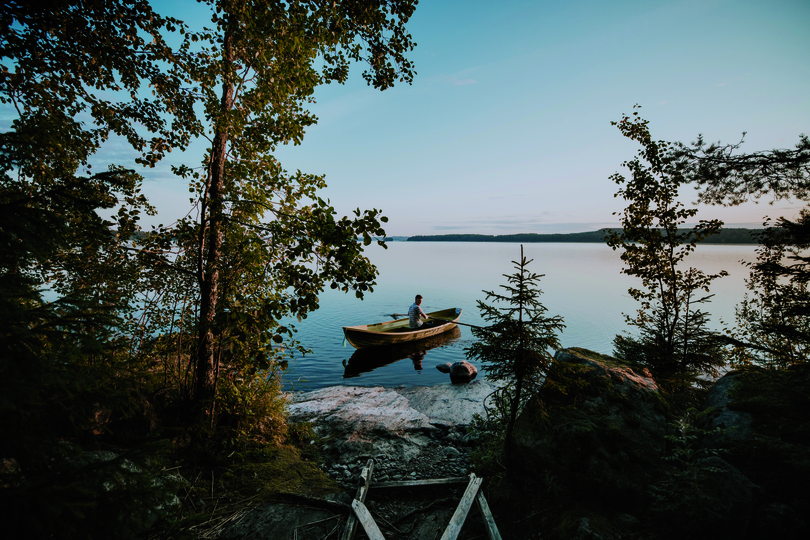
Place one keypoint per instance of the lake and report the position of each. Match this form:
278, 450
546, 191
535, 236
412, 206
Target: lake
582, 283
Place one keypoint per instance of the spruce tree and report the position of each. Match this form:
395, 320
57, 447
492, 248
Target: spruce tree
516, 348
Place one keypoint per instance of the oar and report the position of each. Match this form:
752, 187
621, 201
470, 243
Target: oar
398, 315
456, 322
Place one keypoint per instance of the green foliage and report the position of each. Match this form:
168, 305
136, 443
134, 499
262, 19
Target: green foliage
674, 340
143, 321
681, 505
773, 321
67, 381
515, 347
59, 63
685, 443
489, 433
251, 410
777, 457
771, 327
261, 245
686, 497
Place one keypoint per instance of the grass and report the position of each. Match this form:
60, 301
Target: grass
220, 492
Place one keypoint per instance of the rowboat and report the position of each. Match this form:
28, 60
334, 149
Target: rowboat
367, 360
398, 331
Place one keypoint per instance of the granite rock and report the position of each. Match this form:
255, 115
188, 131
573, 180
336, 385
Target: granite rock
399, 423
598, 429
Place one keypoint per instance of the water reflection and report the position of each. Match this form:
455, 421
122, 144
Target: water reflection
367, 360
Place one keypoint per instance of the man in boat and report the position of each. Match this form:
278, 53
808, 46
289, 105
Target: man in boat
416, 314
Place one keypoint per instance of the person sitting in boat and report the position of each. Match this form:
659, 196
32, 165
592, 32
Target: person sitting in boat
416, 314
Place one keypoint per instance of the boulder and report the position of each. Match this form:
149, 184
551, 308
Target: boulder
704, 497
735, 424
596, 430
757, 418
460, 372
731, 495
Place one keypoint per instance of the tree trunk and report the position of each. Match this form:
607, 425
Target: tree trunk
206, 369
520, 363
510, 426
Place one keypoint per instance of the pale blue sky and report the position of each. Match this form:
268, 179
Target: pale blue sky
506, 128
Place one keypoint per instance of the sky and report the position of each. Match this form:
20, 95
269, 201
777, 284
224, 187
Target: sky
506, 127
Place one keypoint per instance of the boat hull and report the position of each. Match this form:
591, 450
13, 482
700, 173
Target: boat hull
397, 331
373, 358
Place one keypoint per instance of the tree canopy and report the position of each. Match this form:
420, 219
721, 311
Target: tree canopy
262, 244
674, 341
139, 325
772, 321
725, 176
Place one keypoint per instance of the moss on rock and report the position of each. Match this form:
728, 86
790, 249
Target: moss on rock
594, 431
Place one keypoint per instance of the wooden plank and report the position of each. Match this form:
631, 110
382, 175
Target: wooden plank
362, 491
489, 520
421, 483
457, 521
369, 525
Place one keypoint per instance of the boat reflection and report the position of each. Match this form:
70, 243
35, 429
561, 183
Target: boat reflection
367, 360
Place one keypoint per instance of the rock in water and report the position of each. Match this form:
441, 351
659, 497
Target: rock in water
596, 427
460, 372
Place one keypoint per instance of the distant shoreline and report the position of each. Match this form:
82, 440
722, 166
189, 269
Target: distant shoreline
725, 236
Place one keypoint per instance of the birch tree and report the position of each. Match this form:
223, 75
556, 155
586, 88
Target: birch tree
262, 244
674, 341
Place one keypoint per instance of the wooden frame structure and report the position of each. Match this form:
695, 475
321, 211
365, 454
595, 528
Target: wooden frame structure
472, 494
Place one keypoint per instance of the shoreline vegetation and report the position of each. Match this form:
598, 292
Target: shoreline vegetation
725, 236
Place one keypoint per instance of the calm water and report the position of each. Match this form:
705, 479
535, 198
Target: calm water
582, 283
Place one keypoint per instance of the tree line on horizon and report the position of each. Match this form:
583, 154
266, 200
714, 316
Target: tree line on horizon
722, 236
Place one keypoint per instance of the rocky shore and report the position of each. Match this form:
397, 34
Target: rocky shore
597, 456
411, 433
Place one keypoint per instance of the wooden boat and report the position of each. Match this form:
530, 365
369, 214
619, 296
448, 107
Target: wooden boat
398, 331
370, 359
